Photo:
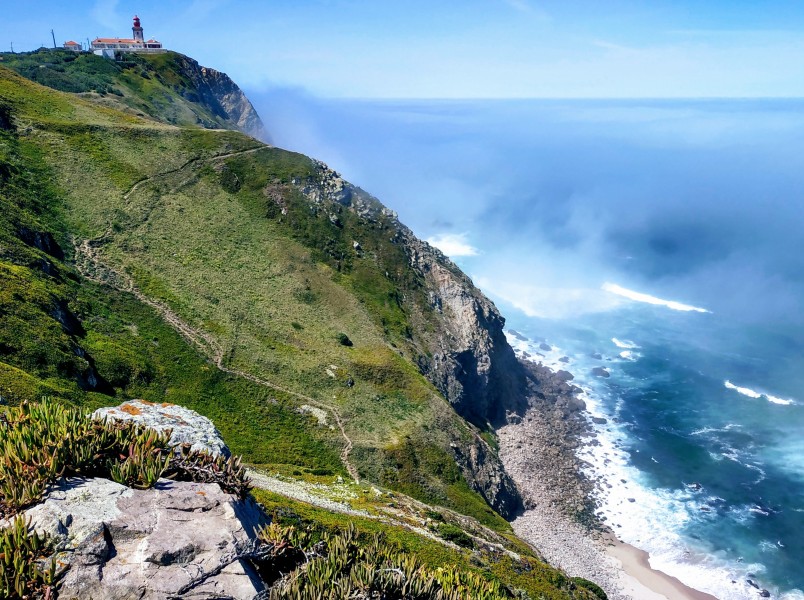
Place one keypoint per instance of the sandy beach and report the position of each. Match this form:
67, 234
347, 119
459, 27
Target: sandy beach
538, 449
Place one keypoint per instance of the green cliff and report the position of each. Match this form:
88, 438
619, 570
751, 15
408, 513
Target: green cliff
150, 249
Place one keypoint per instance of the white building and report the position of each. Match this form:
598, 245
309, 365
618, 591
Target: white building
109, 46
73, 46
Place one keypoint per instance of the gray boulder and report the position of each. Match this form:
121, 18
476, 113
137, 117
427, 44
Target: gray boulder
122, 543
187, 425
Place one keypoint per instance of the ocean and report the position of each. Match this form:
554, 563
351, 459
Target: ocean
655, 249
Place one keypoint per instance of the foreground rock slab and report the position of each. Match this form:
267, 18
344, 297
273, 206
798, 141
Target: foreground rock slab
122, 543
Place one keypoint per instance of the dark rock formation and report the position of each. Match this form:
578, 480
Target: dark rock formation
484, 472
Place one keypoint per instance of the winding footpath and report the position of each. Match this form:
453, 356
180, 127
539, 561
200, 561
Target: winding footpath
91, 266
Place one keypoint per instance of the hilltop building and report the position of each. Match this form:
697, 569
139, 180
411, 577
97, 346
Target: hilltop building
71, 45
109, 46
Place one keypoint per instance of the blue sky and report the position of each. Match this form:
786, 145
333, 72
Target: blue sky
457, 49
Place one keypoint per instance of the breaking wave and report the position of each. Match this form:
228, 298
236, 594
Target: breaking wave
754, 394
648, 299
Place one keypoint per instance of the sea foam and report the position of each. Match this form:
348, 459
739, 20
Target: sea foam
638, 513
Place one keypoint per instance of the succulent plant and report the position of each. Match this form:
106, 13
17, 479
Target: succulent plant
341, 565
25, 571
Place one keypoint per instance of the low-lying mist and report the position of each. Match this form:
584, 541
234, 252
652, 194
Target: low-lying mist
544, 202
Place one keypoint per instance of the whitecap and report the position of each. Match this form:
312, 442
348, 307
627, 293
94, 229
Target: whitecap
628, 355
704, 430
775, 400
755, 394
625, 344
648, 299
742, 390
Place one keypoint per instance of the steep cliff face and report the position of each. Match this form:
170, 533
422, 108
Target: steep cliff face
457, 337
220, 95
459, 334
468, 359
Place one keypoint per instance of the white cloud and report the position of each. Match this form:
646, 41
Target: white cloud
452, 244
547, 302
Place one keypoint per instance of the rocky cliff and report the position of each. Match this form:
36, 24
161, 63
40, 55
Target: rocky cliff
457, 334
463, 350
220, 95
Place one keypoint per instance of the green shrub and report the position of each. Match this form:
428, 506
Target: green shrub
118, 365
40, 442
344, 340
591, 586
434, 515
455, 534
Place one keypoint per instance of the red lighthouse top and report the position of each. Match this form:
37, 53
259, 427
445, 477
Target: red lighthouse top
136, 21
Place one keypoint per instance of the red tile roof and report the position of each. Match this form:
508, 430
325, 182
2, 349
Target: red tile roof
115, 41
71, 43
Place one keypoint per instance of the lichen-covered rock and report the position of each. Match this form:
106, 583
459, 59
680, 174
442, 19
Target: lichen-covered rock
188, 426
148, 544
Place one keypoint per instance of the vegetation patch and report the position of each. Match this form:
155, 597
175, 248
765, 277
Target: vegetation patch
40, 442
372, 568
25, 571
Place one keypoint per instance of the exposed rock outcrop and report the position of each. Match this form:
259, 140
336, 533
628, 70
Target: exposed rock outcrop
485, 473
187, 426
467, 357
221, 95
462, 348
149, 544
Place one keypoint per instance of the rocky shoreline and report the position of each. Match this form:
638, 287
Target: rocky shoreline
538, 448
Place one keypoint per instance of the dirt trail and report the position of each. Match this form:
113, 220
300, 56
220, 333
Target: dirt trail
91, 266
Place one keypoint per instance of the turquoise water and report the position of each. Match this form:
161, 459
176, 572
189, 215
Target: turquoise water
679, 428
557, 209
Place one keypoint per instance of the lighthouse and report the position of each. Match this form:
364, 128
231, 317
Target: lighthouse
111, 47
137, 29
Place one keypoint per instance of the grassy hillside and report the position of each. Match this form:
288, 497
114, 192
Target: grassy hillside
262, 284
143, 260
